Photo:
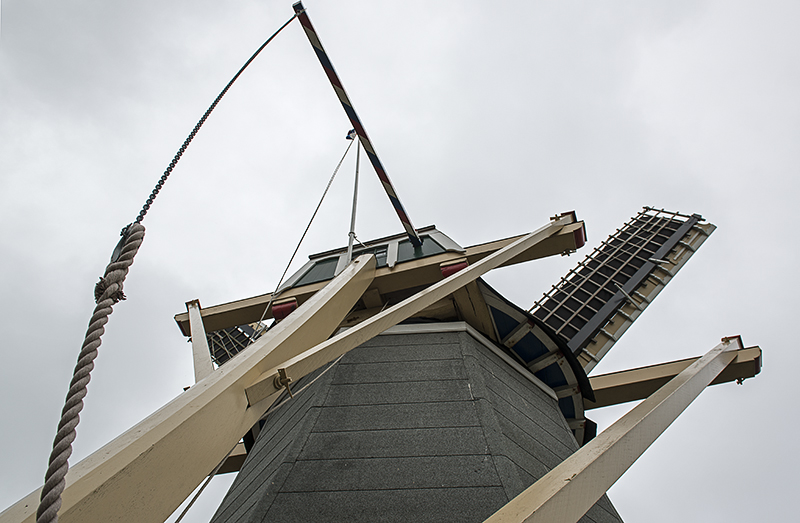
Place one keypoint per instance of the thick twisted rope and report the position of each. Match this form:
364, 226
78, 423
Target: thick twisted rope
108, 292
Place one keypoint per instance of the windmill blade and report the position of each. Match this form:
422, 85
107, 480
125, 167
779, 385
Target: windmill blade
597, 301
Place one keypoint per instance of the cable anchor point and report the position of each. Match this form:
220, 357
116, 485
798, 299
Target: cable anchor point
283, 381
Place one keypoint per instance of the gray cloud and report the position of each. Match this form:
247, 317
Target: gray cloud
488, 118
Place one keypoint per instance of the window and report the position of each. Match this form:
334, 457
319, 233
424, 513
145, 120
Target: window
325, 268
406, 251
321, 271
379, 252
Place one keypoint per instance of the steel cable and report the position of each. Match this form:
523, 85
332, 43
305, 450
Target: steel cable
262, 329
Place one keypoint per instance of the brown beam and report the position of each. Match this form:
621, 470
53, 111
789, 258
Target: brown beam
234, 461
473, 309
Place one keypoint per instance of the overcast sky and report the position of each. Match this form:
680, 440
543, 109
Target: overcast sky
488, 117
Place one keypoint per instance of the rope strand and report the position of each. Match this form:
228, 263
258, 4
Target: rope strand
108, 292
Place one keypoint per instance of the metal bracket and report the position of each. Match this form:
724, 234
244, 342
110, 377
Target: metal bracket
282, 380
632, 302
593, 356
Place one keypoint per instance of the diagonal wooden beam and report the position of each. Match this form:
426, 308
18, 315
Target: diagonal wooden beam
144, 474
267, 387
565, 493
413, 273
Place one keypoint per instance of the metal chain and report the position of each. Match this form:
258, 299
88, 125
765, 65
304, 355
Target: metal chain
108, 292
197, 127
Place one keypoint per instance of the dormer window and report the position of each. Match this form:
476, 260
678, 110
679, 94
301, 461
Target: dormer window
388, 252
380, 253
319, 271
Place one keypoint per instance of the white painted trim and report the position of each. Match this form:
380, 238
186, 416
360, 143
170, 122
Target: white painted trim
445, 241
201, 355
391, 254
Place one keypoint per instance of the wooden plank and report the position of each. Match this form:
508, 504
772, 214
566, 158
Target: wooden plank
472, 308
201, 356
372, 299
234, 462
563, 242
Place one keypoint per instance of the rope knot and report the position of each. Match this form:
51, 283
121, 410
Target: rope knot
108, 288
102, 286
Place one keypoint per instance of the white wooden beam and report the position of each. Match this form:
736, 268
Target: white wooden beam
201, 356
266, 385
417, 272
144, 474
569, 490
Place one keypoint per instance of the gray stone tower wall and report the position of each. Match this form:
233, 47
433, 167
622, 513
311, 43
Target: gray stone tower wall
430, 426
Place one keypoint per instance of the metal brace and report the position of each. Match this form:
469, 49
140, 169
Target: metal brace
635, 304
282, 380
592, 356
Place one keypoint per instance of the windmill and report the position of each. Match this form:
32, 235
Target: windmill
402, 427
366, 297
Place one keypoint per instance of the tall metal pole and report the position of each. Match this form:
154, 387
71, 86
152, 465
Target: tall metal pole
351, 114
352, 233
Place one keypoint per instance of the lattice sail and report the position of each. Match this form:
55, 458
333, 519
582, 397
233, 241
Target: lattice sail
226, 343
596, 302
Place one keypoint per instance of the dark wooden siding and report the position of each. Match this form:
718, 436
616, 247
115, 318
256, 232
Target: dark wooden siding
413, 427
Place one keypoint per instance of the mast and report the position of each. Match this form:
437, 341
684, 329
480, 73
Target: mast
338, 87
352, 233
